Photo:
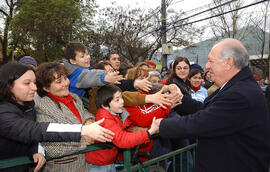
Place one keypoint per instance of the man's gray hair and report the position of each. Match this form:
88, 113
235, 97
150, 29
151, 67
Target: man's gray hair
237, 51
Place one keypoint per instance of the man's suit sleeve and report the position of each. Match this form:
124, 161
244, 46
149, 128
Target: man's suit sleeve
225, 115
188, 106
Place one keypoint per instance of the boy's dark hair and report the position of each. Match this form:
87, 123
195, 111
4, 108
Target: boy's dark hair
108, 56
8, 74
104, 95
71, 49
101, 65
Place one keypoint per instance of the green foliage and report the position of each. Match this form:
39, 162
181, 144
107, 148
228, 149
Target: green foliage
45, 26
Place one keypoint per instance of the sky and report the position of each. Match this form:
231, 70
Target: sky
176, 5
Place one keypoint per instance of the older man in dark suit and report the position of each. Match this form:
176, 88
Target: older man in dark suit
232, 124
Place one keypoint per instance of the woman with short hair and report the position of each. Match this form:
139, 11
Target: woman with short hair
54, 103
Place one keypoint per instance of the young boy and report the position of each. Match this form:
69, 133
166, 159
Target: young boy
111, 107
81, 76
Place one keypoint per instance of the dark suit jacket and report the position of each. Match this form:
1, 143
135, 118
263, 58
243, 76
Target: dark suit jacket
232, 126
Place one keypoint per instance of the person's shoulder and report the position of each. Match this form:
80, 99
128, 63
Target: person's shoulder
203, 89
74, 96
7, 107
103, 113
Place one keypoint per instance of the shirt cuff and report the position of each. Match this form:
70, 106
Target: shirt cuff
41, 149
102, 78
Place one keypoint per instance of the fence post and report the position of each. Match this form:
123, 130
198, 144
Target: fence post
127, 160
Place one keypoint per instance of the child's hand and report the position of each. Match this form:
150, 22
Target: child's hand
113, 78
155, 126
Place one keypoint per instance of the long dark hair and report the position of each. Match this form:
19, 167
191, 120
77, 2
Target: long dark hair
8, 74
175, 63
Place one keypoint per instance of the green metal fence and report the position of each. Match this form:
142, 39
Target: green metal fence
161, 163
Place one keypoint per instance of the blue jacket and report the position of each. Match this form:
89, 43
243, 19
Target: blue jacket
199, 95
232, 126
83, 78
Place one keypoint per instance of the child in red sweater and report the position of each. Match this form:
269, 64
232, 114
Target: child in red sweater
111, 107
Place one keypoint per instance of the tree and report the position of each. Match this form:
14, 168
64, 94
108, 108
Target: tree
43, 27
135, 33
7, 11
260, 22
228, 25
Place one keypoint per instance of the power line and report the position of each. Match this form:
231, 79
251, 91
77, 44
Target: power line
210, 9
176, 2
201, 7
189, 17
207, 18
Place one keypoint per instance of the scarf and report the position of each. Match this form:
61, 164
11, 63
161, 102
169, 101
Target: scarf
68, 102
195, 88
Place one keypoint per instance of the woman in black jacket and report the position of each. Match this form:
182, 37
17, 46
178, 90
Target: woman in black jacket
179, 76
20, 133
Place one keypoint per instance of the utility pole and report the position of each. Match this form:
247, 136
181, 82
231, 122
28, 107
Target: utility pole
163, 32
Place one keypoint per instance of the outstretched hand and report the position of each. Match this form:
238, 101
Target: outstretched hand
113, 78
175, 95
96, 132
143, 84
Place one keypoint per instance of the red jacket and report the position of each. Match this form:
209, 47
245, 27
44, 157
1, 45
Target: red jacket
142, 116
122, 138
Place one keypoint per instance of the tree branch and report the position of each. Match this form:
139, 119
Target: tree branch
2, 11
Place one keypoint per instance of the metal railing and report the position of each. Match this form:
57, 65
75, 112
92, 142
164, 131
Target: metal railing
178, 160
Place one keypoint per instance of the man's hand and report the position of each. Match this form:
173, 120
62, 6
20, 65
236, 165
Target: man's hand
113, 78
159, 99
143, 84
175, 95
40, 160
96, 132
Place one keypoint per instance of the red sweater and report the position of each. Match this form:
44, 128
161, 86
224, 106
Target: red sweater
122, 138
142, 116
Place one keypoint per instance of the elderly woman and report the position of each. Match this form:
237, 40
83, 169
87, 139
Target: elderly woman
20, 133
54, 103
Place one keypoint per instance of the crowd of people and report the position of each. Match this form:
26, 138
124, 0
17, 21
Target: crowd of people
42, 111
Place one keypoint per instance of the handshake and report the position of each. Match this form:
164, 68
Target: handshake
169, 95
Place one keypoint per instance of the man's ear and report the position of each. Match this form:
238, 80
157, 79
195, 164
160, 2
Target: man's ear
229, 63
72, 61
